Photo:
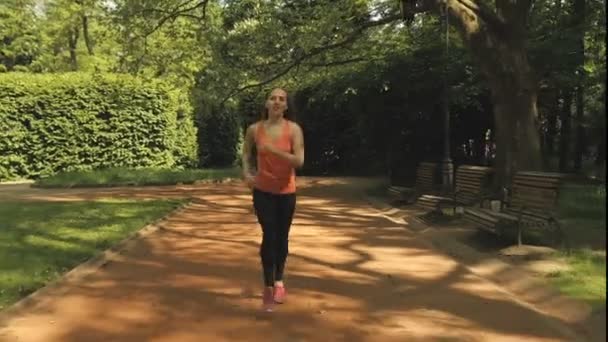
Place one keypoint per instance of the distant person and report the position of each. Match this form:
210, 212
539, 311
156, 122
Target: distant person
279, 144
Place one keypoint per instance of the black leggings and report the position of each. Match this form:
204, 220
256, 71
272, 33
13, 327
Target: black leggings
274, 213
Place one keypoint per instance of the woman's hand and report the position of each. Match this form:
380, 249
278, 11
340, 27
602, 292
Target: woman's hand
249, 180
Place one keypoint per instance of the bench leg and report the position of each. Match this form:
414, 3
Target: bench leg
519, 233
559, 236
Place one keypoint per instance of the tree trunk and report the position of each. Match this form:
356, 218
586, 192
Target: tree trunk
85, 33
565, 136
600, 159
552, 128
498, 45
517, 138
579, 24
580, 130
73, 42
504, 155
515, 114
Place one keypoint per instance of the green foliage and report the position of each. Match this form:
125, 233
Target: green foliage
174, 50
219, 137
368, 74
139, 177
19, 39
69, 122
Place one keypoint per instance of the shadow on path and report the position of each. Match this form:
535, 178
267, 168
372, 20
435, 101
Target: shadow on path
352, 275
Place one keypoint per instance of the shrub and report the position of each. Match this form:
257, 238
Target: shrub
75, 121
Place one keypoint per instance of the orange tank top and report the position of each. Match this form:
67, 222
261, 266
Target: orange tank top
275, 175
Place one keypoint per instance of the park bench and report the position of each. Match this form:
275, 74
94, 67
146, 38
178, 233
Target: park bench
426, 182
472, 186
531, 204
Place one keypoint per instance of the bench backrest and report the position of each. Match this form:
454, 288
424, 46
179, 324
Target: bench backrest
472, 180
536, 190
427, 175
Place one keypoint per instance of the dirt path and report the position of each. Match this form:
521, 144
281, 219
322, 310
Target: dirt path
352, 275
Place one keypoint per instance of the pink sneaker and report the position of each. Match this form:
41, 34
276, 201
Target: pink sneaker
267, 299
279, 294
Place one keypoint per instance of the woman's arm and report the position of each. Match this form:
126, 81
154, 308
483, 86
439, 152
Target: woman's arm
296, 159
246, 155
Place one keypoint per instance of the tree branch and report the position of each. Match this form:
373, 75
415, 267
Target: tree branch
335, 63
316, 51
460, 10
178, 11
169, 13
483, 12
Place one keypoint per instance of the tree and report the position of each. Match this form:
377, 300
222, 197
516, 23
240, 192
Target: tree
497, 39
308, 33
19, 39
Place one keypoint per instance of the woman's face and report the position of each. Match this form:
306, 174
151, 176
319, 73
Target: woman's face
276, 103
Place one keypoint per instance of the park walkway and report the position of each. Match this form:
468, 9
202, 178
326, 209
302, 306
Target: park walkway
352, 276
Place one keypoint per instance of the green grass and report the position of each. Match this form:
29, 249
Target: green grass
582, 213
583, 202
134, 177
586, 278
39, 241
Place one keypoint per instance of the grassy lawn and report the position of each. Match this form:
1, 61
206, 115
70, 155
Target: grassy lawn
586, 278
39, 241
582, 210
135, 177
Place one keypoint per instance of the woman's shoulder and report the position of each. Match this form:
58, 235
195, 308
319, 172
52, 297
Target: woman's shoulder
254, 126
294, 126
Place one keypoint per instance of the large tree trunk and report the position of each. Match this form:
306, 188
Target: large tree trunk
500, 51
517, 137
497, 40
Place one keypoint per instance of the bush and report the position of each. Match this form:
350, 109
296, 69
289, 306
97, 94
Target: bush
185, 151
219, 137
75, 121
126, 177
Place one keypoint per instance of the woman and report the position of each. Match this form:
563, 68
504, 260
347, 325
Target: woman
280, 150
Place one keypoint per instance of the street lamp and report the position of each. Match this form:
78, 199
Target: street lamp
447, 167
408, 9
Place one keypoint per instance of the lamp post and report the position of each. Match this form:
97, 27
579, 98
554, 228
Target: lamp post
447, 167
407, 8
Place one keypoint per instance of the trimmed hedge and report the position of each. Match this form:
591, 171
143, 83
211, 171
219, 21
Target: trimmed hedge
74, 121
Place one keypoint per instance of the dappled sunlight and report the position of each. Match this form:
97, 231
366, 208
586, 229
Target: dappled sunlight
423, 323
435, 325
355, 278
427, 266
351, 274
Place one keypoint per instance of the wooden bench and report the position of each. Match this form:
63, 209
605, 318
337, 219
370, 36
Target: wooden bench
472, 186
427, 174
532, 204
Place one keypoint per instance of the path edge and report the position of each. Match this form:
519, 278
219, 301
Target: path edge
513, 279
